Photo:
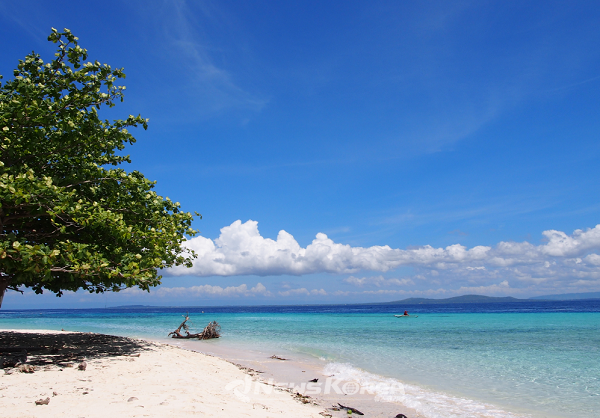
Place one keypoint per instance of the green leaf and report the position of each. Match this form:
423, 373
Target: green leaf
72, 219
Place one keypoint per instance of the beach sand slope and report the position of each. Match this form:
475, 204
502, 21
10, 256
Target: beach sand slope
129, 378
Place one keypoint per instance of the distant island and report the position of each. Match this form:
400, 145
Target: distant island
569, 296
427, 301
456, 299
491, 299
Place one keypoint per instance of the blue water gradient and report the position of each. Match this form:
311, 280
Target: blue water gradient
539, 358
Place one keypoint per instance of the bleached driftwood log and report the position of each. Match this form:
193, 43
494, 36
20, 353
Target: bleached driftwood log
212, 330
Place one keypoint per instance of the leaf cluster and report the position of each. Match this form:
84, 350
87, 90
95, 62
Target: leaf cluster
70, 217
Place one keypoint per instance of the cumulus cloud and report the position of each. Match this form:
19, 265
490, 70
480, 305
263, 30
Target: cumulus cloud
593, 259
562, 245
241, 250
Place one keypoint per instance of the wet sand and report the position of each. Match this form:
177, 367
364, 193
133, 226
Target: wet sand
295, 371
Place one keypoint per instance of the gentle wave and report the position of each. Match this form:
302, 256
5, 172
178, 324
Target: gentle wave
427, 403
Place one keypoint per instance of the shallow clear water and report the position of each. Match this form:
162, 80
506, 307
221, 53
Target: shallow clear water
539, 359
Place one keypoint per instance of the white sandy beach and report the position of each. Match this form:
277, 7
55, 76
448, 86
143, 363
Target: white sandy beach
163, 381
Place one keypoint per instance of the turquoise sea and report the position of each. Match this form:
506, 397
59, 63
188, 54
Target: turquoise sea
527, 359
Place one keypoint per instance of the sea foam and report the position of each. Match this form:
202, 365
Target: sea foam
428, 403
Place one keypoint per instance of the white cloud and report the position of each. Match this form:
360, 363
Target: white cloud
502, 288
198, 70
241, 250
204, 291
378, 281
303, 291
435, 293
593, 259
562, 245
554, 265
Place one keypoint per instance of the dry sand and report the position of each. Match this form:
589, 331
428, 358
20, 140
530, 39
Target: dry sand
129, 378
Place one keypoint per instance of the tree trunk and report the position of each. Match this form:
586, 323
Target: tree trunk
3, 286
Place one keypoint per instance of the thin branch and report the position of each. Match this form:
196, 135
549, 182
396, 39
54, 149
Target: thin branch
14, 288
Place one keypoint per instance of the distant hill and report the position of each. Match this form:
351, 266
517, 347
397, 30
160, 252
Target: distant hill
569, 296
490, 299
456, 299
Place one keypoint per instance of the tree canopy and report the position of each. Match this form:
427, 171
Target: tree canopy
70, 218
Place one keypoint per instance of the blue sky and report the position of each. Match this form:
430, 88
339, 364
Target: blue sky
461, 135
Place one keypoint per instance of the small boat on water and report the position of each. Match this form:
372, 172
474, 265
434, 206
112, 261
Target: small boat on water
406, 316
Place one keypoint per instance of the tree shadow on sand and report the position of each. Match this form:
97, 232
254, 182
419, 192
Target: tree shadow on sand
64, 348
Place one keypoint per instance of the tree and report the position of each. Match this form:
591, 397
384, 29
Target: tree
70, 218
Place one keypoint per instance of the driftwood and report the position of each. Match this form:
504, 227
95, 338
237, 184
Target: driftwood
26, 368
349, 409
302, 398
212, 330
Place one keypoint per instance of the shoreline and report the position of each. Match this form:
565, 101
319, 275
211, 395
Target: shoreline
296, 372
145, 377
448, 366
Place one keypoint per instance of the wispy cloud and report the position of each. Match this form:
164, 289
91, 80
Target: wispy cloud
203, 291
501, 288
378, 281
212, 86
30, 23
209, 291
303, 292
446, 212
573, 85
